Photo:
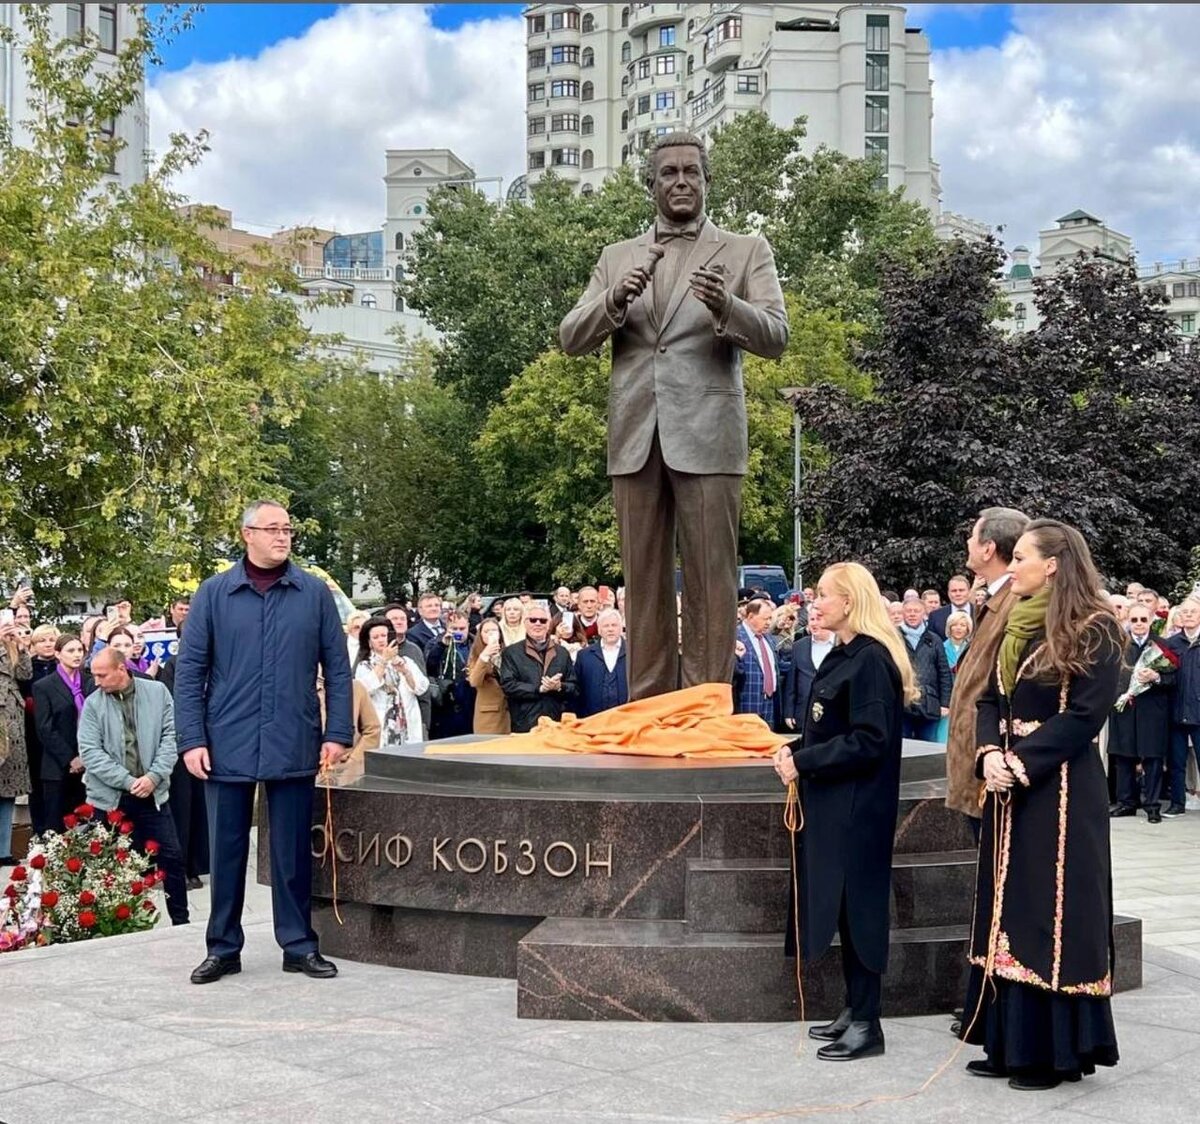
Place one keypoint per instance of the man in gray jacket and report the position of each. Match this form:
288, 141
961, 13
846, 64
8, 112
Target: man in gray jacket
127, 742
681, 302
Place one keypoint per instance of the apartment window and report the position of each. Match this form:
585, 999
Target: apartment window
662, 130
624, 153
399, 304
624, 17
537, 58
691, 27
75, 22
559, 20
691, 64
624, 119
728, 29
644, 139
1177, 289
368, 300
644, 68
564, 121
589, 23
564, 88
587, 127
565, 157
747, 83
563, 54
1019, 312
536, 24
877, 114
626, 51
398, 272
664, 64
643, 103
399, 241
877, 72
666, 37
588, 92
877, 149
108, 134
588, 159
1193, 288
537, 125
537, 160
537, 91
878, 33
586, 189
1187, 323
108, 28
665, 100
624, 84
589, 57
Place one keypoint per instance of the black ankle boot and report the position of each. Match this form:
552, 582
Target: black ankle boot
831, 1032
858, 1040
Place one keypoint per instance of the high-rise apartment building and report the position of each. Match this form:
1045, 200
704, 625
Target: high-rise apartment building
107, 26
604, 81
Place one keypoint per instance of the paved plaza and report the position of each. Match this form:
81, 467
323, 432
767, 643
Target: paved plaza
112, 1029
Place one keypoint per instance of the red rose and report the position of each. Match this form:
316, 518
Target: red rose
49, 899
18, 874
126, 827
85, 811
151, 847
74, 864
122, 854
10, 891
86, 897
95, 846
123, 912
148, 906
87, 919
115, 816
37, 862
70, 821
136, 888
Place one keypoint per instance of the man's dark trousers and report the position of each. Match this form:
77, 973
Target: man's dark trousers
158, 824
289, 814
1181, 738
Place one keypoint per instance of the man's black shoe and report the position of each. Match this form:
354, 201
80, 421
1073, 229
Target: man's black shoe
1035, 1082
1119, 810
1154, 816
984, 1068
194, 883
858, 1040
831, 1032
1174, 810
212, 968
311, 964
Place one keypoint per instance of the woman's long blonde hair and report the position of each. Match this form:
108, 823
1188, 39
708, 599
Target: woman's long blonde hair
868, 617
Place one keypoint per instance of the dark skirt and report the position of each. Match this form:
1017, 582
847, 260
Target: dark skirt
1025, 1030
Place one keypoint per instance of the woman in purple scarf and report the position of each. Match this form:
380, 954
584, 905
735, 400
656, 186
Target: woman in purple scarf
58, 699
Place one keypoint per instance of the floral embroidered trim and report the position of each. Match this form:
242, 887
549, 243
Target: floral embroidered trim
983, 750
1016, 767
1008, 967
1060, 871
1019, 726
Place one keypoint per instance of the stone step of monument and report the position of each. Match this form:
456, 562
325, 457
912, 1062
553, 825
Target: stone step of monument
751, 895
667, 971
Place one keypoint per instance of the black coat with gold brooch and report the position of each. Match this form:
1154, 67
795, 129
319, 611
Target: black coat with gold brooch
849, 766
1048, 916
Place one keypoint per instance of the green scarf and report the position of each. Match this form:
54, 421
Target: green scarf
1027, 619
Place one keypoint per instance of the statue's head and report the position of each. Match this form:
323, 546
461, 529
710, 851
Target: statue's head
677, 175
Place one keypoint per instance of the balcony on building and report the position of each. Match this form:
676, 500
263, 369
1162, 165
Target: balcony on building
642, 17
724, 54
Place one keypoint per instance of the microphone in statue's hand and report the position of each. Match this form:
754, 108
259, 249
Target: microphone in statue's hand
657, 251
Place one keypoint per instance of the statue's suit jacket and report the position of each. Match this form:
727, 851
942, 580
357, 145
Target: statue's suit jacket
681, 375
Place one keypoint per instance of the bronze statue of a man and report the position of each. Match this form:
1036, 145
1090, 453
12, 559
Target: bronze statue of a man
682, 302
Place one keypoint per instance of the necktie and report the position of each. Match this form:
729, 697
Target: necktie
767, 670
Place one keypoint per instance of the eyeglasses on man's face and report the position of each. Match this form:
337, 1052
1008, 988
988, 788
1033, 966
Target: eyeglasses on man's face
273, 532
537, 620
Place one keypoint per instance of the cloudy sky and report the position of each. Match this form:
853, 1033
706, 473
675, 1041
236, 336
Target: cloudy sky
1038, 109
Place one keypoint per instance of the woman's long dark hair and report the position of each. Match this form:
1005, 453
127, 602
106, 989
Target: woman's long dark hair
364, 638
1080, 624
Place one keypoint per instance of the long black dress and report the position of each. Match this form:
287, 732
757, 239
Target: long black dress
1045, 923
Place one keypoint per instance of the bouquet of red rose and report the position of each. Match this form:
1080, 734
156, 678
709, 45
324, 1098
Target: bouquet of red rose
1153, 657
86, 881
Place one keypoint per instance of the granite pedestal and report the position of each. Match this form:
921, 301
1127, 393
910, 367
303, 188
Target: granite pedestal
626, 887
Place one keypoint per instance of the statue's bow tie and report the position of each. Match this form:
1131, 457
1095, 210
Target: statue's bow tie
665, 234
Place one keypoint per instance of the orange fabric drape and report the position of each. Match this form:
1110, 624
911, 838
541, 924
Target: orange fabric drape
696, 722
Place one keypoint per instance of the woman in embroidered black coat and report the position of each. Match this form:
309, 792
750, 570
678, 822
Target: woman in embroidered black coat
1043, 907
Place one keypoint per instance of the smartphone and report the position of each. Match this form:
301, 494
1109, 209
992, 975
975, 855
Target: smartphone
112, 614
7, 616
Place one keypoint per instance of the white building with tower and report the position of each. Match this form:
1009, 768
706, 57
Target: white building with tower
604, 81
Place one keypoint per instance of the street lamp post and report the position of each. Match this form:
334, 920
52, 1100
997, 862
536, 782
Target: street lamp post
791, 395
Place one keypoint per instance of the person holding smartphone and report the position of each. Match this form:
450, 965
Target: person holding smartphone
483, 673
392, 681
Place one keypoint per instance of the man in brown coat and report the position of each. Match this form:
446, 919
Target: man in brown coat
989, 551
681, 302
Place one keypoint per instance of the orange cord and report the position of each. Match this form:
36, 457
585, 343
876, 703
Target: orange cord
326, 776
793, 820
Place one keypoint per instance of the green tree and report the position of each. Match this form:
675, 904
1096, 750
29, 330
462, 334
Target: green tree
133, 393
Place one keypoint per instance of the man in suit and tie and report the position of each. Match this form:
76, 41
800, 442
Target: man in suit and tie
430, 626
756, 666
681, 302
989, 551
958, 589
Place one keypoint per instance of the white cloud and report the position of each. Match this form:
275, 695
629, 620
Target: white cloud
1088, 106
298, 133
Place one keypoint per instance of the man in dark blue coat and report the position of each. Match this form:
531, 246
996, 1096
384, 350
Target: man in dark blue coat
247, 711
600, 668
